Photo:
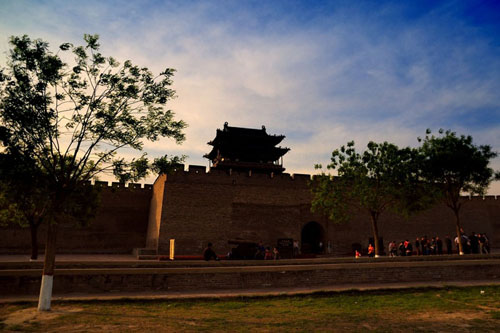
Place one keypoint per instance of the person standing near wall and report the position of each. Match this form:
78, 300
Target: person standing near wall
276, 254
425, 246
474, 243
392, 248
481, 242
296, 248
447, 240
209, 253
371, 250
268, 255
439, 245
486, 244
408, 248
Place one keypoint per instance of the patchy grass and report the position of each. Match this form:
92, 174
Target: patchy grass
416, 310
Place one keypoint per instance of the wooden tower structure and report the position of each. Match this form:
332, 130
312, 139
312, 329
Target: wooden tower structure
246, 149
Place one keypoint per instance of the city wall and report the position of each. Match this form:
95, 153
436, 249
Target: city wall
194, 207
119, 226
216, 206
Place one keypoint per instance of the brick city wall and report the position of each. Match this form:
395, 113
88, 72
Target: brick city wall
477, 215
195, 207
120, 225
200, 207
27, 282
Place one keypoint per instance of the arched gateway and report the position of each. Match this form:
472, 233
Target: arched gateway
313, 238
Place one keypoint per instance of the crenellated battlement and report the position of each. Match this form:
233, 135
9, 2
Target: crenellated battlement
199, 172
118, 185
483, 198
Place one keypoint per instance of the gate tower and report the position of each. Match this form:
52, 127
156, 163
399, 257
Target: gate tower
246, 149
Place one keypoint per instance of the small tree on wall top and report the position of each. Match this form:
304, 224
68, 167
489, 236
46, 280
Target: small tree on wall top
382, 178
456, 166
69, 121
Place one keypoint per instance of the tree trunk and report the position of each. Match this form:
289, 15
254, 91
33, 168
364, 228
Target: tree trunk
328, 242
459, 234
375, 234
34, 241
48, 269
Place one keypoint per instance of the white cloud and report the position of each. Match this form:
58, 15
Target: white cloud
348, 76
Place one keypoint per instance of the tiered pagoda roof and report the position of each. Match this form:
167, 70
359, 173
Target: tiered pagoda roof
246, 149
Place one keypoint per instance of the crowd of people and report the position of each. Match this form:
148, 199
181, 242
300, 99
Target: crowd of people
265, 253
475, 243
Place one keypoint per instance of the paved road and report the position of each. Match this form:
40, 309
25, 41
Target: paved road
70, 257
237, 293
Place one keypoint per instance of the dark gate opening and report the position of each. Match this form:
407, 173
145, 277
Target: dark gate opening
313, 238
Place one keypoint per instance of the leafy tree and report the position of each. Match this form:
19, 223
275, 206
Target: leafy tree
69, 121
9, 210
455, 166
23, 198
382, 178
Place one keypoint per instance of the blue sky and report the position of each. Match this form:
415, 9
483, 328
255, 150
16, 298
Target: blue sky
320, 72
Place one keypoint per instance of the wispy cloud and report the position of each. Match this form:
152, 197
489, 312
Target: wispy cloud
322, 74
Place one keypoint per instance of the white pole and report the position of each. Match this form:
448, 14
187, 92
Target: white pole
45, 293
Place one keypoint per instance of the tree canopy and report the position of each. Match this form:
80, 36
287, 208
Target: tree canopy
72, 119
66, 122
382, 178
387, 178
455, 166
